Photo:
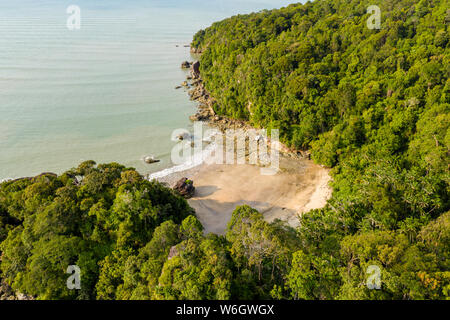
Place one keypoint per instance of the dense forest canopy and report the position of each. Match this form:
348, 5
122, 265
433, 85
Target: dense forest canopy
372, 104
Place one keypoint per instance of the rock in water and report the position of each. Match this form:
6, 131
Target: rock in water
185, 188
195, 70
150, 160
185, 65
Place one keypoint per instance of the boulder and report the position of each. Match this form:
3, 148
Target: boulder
185, 188
185, 65
195, 70
150, 160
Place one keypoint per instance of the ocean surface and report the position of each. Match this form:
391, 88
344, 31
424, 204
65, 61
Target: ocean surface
105, 92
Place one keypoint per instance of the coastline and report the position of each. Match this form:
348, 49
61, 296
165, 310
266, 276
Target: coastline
298, 187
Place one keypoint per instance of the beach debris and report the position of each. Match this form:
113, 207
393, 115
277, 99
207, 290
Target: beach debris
185, 188
150, 160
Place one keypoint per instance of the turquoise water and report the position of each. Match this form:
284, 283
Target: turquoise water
104, 92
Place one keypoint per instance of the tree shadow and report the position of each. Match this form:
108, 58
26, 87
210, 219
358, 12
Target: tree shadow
215, 215
205, 191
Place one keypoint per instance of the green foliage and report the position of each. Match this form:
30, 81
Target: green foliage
91, 216
373, 105
261, 251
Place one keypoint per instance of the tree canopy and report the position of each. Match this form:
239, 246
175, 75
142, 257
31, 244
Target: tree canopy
372, 104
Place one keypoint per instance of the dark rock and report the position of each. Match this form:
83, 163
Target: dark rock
195, 70
185, 188
185, 65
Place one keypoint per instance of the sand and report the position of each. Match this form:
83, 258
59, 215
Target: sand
299, 187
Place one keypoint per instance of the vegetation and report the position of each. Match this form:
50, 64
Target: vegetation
371, 104
92, 217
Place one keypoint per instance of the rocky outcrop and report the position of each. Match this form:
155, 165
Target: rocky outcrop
196, 50
195, 70
7, 293
205, 111
185, 188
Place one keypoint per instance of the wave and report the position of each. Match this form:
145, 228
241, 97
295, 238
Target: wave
194, 161
7, 179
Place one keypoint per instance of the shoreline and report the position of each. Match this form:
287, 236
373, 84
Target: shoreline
298, 187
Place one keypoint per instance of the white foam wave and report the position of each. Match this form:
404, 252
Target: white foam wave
193, 162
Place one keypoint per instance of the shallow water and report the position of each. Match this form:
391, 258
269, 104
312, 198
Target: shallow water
104, 92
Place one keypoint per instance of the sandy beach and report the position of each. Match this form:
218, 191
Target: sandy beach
299, 187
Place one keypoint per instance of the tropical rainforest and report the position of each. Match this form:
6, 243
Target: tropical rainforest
370, 103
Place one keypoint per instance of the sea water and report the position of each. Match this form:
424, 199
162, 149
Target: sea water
105, 92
